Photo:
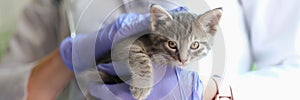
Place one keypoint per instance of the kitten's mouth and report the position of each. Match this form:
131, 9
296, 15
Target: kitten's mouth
181, 64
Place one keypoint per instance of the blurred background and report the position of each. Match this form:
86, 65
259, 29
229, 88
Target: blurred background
263, 16
9, 12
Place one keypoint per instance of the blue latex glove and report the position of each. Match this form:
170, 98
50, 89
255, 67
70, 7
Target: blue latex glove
170, 83
105, 37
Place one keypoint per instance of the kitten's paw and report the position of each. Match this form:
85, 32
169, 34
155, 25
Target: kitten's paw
140, 93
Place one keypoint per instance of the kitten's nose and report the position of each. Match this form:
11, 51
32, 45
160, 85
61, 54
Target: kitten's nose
183, 61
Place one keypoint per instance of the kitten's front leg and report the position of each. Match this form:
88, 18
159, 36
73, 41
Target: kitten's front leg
142, 72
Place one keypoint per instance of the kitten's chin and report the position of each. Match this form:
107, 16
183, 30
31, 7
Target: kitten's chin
183, 65
177, 64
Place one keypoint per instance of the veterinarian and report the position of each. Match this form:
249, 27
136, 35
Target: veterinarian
38, 65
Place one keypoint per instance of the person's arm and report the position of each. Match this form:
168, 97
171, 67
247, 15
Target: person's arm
48, 78
35, 38
37, 33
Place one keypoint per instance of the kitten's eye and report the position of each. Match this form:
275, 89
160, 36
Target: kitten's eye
172, 44
195, 45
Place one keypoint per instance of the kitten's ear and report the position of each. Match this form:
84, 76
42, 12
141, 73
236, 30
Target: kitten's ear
158, 14
210, 20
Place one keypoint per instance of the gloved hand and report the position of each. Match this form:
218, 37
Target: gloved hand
170, 83
125, 26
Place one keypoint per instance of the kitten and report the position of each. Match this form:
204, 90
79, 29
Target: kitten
176, 39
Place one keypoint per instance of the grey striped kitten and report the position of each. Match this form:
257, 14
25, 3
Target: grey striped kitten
176, 39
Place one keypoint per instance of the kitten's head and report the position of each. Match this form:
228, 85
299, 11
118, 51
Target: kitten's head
188, 37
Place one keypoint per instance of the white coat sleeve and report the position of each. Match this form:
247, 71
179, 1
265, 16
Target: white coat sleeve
13, 82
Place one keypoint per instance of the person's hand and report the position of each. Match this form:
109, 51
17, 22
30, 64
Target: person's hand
169, 83
220, 89
222, 98
126, 25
